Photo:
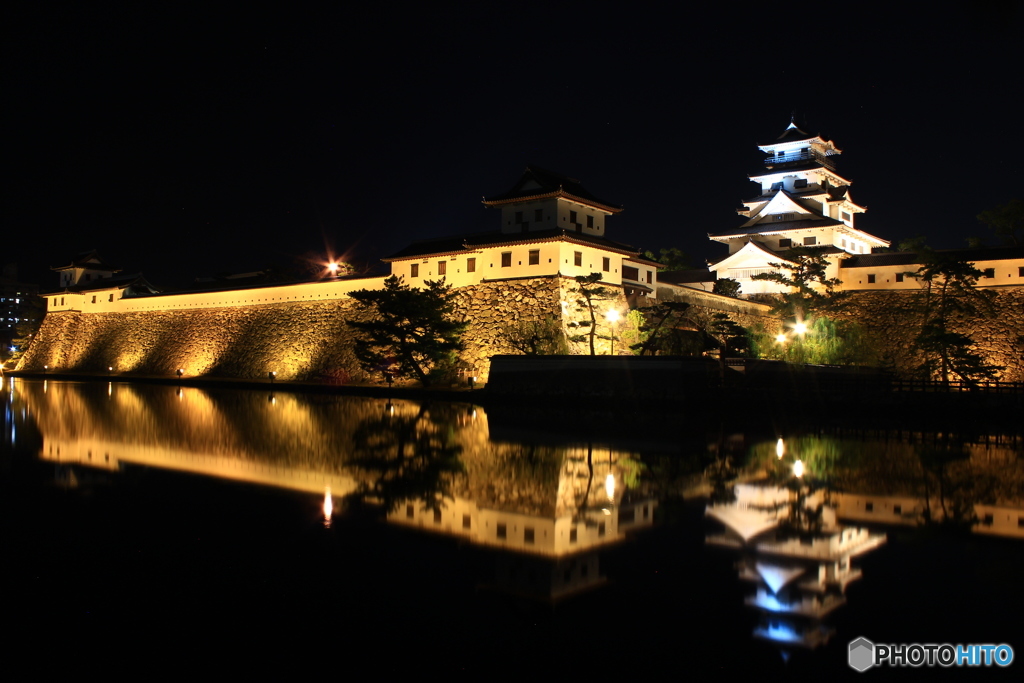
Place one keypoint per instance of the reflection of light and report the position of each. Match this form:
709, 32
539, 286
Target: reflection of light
328, 507
606, 511
800, 328
110, 388
798, 468
780, 448
45, 382
609, 486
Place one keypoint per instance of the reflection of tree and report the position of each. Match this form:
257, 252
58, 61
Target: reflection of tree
406, 456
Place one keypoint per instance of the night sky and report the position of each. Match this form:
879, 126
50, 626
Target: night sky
186, 143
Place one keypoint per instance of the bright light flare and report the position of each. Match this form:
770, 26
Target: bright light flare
332, 268
798, 469
609, 486
800, 328
780, 448
612, 316
780, 338
328, 507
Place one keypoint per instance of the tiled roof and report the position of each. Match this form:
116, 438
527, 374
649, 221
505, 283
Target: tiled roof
83, 259
779, 226
678, 277
904, 258
538, 183
462, 243
103, 283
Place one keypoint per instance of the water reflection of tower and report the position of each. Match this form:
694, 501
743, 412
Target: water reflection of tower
801, 573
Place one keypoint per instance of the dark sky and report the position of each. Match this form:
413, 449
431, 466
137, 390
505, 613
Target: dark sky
184, 143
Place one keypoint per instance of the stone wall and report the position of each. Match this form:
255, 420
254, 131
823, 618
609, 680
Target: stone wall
297, 340
308, 340
892, 321
703, 305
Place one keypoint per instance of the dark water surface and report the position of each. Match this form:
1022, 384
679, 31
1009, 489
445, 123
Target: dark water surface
476, 538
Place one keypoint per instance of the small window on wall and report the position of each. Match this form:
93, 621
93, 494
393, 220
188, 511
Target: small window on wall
785, 244
590, 221
110, 297
506, 259
538, 215
631, 273
899, 277
471, 265
800, 182
414, 270
988, 272
606, 264
442, 268
810, 241
94, 298
534, 257
846, 216
871, 279
650, 277
519, 216
1020, 271
577, 258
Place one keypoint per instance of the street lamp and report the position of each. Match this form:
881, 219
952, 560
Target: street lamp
800, 328
612, 317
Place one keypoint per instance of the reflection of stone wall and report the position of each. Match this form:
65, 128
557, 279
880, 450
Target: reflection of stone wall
892, 322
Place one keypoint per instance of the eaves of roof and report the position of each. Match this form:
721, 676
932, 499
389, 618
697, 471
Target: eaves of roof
460, 244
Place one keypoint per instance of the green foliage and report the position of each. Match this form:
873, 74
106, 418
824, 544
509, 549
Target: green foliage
589, 293
658, 322
949, 290
407, 330
1007, 221
914, 244
810, 288
727, 287
826, 342
672, 258
727, 336
632, 334
537, 337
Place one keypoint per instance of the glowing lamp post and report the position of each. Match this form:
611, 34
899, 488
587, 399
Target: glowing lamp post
780, 448
179, 372
800, 328
780, 338
612, 317
798, 469
272, 375
332, 268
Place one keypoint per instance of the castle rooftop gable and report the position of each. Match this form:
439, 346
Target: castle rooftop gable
538, 183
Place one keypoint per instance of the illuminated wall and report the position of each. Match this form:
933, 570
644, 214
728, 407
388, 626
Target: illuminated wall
299, 335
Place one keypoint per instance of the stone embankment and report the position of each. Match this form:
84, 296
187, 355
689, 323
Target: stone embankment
893, 319
310, 340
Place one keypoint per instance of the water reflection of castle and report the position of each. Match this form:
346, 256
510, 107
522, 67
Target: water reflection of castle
796, 553
549, 510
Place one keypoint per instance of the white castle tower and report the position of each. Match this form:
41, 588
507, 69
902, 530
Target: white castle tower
803, 202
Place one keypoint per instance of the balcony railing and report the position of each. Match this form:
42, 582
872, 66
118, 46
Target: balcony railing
802, 156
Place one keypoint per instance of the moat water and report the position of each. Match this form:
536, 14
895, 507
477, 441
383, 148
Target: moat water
499, 539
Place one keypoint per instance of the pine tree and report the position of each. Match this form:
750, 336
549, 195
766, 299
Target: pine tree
407, 329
